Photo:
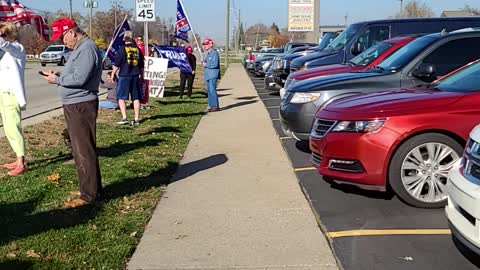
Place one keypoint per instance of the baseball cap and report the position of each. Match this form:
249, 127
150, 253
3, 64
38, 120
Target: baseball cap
128, 34
59, 27
207, 41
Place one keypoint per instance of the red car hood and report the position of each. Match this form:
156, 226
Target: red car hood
323, 71
394, 102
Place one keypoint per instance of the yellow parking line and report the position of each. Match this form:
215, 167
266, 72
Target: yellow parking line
273, 107
387, 232
305, 169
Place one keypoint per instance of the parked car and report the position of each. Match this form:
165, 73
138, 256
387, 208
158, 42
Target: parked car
464, 195
419, 62
257, 55
368, 59
269, 82
56, 54
282, 63
407, 139
360, 36
107, 63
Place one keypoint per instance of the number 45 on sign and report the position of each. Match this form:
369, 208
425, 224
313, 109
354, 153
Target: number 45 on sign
145, 11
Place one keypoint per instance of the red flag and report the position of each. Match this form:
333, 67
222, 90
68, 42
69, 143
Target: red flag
13, 11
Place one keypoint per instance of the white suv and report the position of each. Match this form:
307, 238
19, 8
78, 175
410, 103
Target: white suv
463, 209
57, 54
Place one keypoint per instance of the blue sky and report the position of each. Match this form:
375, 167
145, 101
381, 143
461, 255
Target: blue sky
208, 16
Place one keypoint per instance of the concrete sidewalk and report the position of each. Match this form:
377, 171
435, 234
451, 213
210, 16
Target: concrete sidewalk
235, 202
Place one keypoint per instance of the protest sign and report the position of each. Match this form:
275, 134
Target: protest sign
156, 72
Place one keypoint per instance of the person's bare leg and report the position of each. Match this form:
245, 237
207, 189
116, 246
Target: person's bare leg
123, 108
136, 109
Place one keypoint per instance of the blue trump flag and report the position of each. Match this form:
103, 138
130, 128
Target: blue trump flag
177, 57
117, 40
183, 25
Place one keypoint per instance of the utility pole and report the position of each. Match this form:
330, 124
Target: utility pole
401, 7
238, 34
71, 9
256, 39
228, 32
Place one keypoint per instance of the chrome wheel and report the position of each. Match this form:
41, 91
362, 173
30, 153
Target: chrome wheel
424, 171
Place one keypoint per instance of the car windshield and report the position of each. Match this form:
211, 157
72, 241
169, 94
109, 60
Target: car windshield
338, 43
55, 49
403, 56
276, 50
372, 53
465, 81
326, 40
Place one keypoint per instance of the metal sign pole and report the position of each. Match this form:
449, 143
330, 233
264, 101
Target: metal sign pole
146, 39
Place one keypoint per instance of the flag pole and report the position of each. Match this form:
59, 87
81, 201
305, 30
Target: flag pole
114, 38
191, 28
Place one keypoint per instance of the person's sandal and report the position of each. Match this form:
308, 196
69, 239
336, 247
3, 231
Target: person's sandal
17, 171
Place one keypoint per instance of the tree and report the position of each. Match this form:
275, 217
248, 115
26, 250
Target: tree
256, 33
415, 9
274, 29
278, 41
475, 11
101, 43
31, 40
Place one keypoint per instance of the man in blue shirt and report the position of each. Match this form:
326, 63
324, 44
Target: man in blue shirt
212, 74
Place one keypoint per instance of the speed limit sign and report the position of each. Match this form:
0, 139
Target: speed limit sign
145, 11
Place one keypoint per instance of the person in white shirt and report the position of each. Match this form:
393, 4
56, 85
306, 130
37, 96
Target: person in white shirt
12, 94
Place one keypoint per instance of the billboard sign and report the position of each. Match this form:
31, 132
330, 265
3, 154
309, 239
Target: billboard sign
301, 15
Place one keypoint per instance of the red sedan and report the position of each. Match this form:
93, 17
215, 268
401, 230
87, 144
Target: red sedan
404, 139
364, 61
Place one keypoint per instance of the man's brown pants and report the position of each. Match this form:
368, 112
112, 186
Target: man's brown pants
81, 119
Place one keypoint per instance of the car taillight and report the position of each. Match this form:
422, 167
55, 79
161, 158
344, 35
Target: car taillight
252, 57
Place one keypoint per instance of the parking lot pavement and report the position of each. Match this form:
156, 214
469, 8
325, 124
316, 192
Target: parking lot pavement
393, 235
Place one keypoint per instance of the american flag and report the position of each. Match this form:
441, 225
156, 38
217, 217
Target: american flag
13, 11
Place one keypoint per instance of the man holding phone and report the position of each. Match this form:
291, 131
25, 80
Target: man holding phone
78, 90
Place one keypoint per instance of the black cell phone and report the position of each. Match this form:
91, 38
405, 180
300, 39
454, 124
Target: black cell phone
43, 74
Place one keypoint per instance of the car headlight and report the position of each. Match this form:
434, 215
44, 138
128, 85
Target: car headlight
303, 68
304, 97
372, 126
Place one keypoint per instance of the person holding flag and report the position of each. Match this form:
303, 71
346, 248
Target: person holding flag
212, 74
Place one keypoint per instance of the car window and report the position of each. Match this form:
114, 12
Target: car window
467, 80
339, 42
406, 54
54, 49
372, 35
372, 53
453, 54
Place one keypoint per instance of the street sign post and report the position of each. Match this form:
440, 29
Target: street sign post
145, 11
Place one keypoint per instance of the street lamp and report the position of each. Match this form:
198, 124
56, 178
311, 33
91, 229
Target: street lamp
91, 5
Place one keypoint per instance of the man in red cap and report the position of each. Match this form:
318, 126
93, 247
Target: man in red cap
212, 74
77, 87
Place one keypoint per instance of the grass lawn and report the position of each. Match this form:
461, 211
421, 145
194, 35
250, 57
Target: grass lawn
136, 164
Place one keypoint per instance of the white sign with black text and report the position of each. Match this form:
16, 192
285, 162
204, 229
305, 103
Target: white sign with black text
156, 72
145, 11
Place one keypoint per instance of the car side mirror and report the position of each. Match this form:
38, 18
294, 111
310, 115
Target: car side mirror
425, 72
356, 48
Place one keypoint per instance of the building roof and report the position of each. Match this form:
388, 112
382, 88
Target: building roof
457, 13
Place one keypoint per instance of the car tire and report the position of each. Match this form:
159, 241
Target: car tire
425, 177
62, 62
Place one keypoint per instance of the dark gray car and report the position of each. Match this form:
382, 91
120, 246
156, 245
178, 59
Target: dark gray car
420, 62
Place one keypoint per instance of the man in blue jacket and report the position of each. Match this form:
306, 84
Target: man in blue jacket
212, 74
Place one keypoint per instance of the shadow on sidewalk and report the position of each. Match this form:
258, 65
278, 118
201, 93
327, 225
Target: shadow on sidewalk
189, 169
243, 103
247, 98
18, 222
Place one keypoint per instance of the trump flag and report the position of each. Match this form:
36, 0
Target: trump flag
117, 40
183, 25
